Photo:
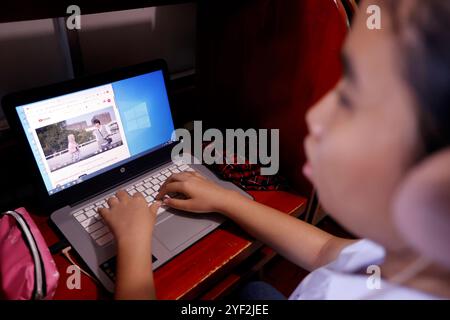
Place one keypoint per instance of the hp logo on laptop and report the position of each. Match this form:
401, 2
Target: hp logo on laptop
122, 170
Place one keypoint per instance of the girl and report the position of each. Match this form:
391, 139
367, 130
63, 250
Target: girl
74, 148
389, 112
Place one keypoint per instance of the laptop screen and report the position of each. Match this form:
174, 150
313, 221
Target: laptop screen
77, 136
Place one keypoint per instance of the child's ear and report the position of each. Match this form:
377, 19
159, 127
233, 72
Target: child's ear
422, 208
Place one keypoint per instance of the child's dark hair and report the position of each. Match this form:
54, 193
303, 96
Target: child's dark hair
95, 121
423, 30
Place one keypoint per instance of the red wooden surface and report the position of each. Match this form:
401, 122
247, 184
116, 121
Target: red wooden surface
194, 271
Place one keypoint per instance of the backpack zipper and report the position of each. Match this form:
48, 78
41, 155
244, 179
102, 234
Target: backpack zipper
38, 270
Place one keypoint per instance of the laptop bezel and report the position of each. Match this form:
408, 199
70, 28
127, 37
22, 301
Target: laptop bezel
104, 181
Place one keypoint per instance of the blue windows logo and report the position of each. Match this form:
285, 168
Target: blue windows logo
137, 117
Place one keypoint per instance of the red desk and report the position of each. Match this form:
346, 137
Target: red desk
205, 270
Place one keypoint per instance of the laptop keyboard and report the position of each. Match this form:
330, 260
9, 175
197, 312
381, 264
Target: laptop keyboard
93, 222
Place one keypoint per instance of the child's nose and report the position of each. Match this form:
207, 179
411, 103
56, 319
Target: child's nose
315, 126
318, 116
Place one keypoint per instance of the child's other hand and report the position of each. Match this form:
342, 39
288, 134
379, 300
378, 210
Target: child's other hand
129, 217
202, 195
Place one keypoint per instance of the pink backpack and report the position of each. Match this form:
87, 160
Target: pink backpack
27, 269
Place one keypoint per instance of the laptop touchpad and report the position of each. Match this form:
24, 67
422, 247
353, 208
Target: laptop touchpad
178, 229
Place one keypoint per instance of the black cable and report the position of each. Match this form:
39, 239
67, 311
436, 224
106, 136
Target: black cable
59, 246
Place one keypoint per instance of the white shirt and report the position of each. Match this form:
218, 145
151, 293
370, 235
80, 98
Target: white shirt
101, 133
337, 281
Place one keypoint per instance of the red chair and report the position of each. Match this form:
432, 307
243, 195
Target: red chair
264, 63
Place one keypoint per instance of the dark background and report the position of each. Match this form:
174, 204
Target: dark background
17, 177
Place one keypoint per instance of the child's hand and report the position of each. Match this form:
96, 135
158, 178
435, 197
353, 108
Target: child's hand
129, 217
202, 194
